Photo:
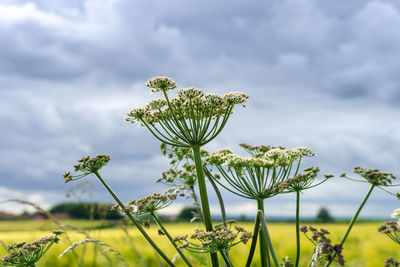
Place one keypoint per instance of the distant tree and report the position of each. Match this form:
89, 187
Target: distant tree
242, 218
87, 211
187, 213
323, 216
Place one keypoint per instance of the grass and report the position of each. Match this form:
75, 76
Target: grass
365, 246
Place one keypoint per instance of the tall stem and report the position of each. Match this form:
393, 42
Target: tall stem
353, 220
265, 231
159, 222
253, 241
297, 228
226, 259
264, 253
134, 221
203, 197
221, 202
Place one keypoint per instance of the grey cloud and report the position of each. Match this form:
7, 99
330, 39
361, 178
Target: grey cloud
318, 75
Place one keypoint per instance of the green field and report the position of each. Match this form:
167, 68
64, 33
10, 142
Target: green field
365, 246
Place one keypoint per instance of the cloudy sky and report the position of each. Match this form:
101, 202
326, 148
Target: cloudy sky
322, 74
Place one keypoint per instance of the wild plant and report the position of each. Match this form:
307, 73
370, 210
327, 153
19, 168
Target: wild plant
392, 230
184, 124
24, 254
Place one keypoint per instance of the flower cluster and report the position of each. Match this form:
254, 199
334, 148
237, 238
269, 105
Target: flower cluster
149, 204
304, 180
27, 254
375, 176
323, 245
396, 213
258, 149
271, 157
185, 120
391, 229
219, 239
158, 84
87, 165
391, 262
263, 174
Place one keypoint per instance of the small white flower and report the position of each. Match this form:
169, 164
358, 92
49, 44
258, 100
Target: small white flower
396, 213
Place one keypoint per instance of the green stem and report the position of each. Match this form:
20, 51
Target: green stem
253, 242
263, 245
203, 197
226, 259
219, 196
159, 222
353, 220
267, 237
220, 201
297, 228
134, 221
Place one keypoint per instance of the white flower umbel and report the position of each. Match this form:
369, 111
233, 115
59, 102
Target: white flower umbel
191, 119
396, 213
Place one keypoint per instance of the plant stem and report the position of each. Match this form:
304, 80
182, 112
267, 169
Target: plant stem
203, 197
134, 221
353, 220
220, 201
219, 196
253, 242
226, 259
263, 245
297, 228
267, 237
159, 222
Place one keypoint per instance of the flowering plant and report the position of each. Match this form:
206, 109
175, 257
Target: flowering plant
187, 122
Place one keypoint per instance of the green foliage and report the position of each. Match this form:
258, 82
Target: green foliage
94, 211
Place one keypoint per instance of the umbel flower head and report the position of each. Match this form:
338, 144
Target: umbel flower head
191, 118
305, 180
24, 254
323, 245
221, 238
396, 213
391, 229
391, 262
151, 203
159, 84
375, 176
86, 166
263, 174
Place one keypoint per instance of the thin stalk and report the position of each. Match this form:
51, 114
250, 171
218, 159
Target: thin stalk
220, 201
142, 231
253, 242
264, 252
196, 203
267, 237
203, 197
219, 196
353, 220
159, 222
226, 259
297, 228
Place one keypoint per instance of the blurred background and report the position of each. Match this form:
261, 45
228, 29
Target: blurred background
322, 74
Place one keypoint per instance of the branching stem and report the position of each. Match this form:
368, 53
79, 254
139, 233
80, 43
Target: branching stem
134, 221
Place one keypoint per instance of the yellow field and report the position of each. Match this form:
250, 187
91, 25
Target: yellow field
365, 246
